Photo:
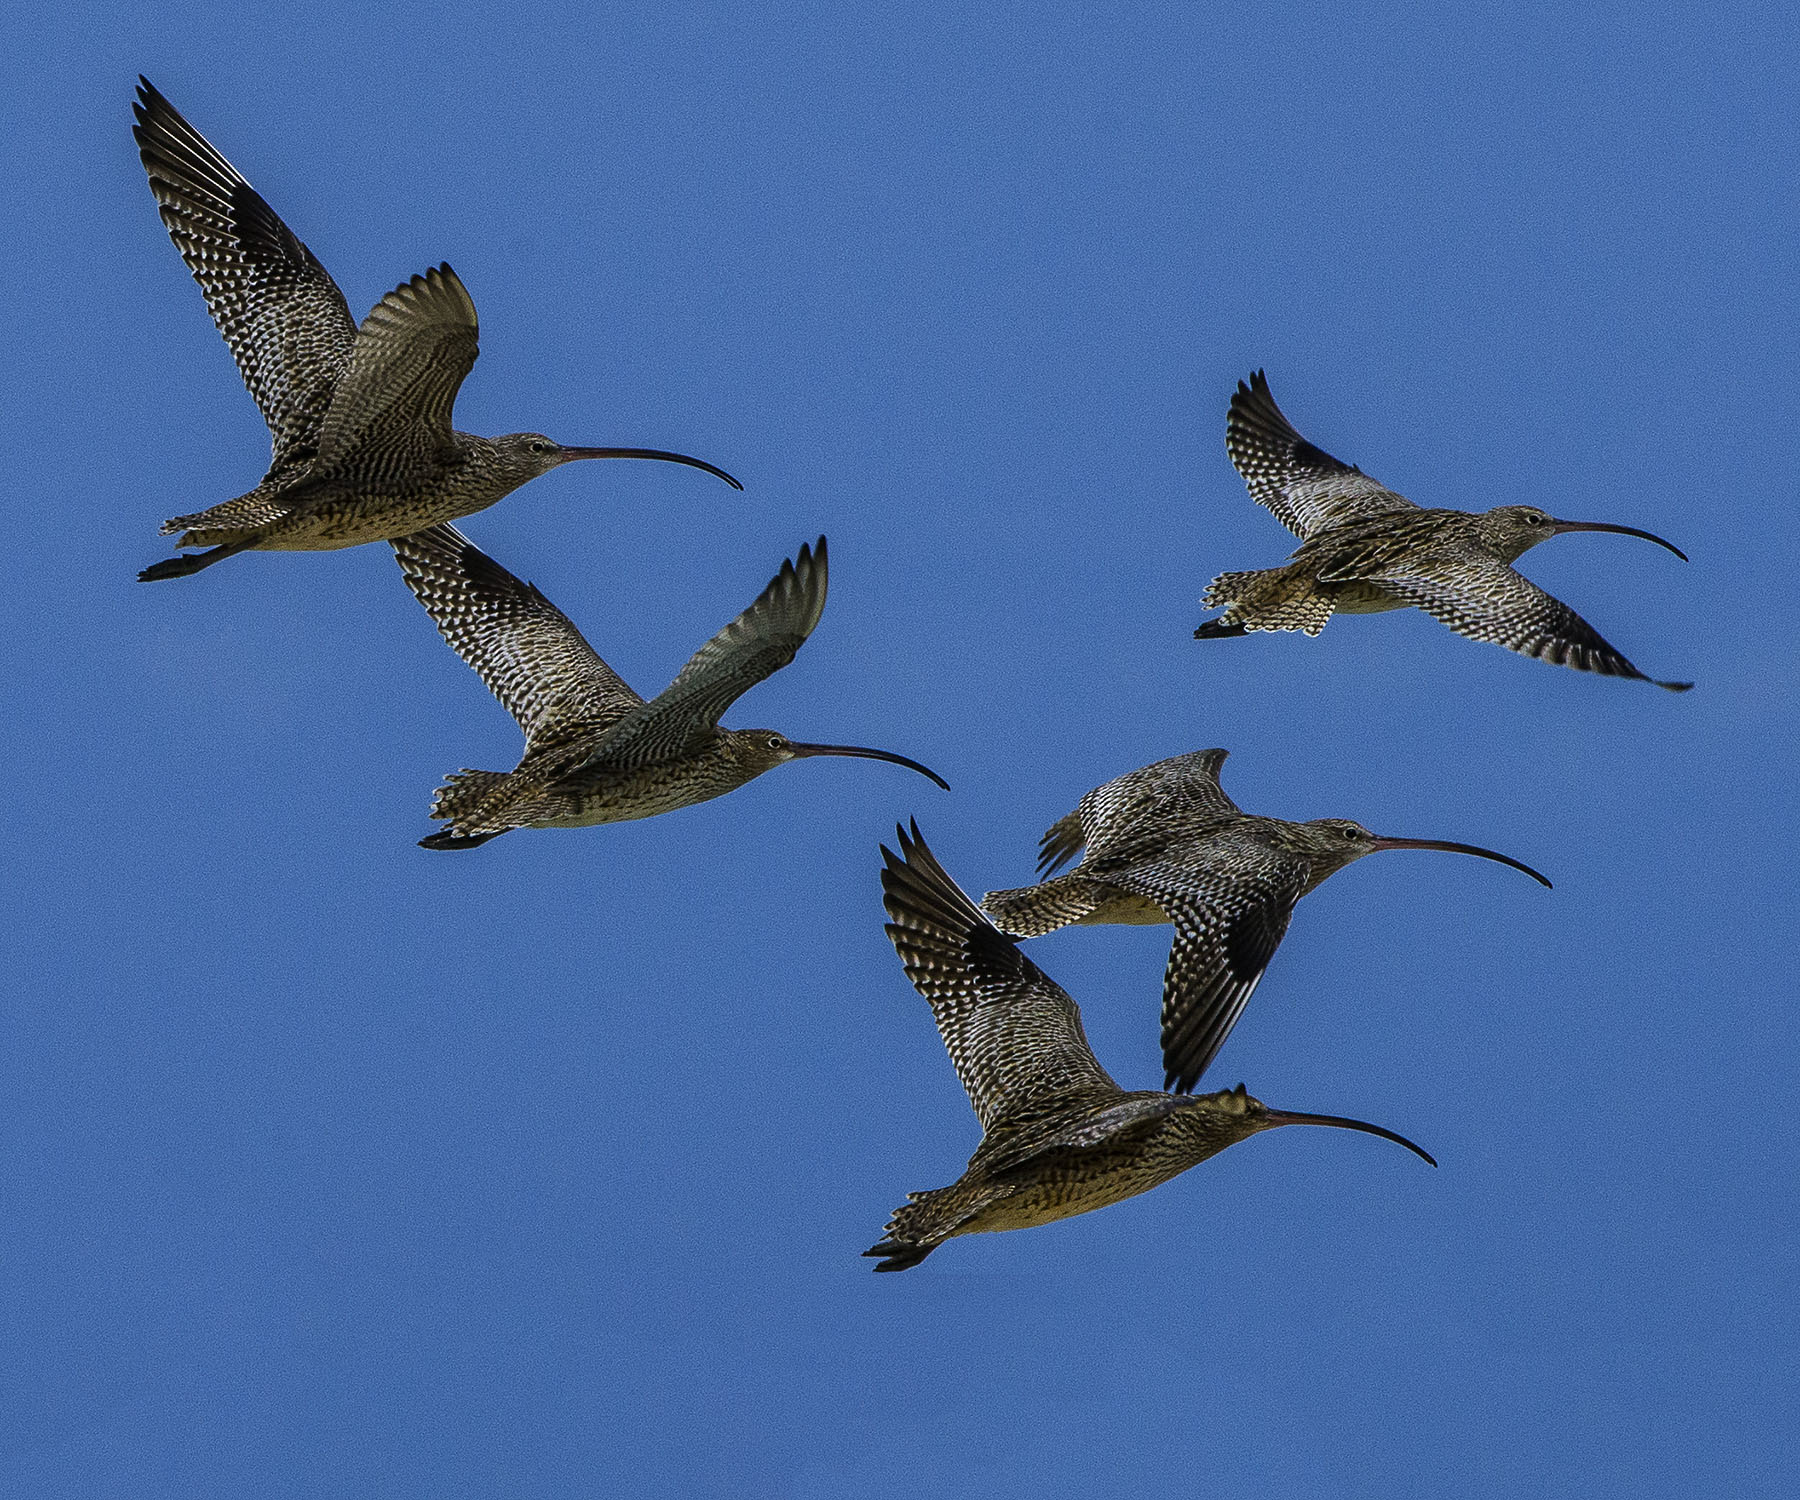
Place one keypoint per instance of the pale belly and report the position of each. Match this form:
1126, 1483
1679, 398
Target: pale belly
1046, 1202
1123, 909
644, 793
375, 518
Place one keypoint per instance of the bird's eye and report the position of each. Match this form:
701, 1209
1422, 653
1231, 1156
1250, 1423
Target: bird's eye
540, 447
776, 742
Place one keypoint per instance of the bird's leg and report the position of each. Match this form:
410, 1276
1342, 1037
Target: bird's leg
458, 840
180, 567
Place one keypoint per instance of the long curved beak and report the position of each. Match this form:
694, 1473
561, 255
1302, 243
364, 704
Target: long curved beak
1648, 536
1450, 848
569, 455
861, 754
1282, 1117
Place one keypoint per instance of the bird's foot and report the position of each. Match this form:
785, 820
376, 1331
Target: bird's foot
1218, 630
180, 567
449, 840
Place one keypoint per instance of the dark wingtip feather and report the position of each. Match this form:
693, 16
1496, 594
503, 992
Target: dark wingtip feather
915, 885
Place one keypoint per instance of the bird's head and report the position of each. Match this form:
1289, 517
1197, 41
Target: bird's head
1332, 843
1231, 1115
530, 454
1327, 845
1513, 530
759, 750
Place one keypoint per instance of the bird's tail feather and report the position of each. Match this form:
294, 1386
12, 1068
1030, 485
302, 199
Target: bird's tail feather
924, 1222
227, 520
1284, 598
1032, 910
464, 796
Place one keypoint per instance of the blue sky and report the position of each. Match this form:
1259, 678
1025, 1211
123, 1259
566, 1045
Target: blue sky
332, 1167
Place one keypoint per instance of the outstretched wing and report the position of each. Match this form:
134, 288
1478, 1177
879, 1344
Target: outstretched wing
526, 650
1230, 903
413, 351
758, 643
282, 315
1486, 600
1306, 488
1013, 1034
1164, 794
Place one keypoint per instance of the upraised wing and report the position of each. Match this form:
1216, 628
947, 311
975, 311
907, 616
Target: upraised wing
1161, 796
1013, 1034
1230, 901
758, 643
1486, 600
282, 316
525, 648
1305, 487
412, 353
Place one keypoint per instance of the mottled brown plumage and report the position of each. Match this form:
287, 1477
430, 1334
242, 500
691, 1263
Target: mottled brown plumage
1165, 844
1365, 549
1059, 1137
595, 752
363, 447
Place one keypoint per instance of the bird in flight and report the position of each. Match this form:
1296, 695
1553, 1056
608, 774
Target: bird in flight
1165, 844
360, 418
595, 752
1365, 549
1058, 1136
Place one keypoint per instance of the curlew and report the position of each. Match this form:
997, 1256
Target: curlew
363, 448
1059, 1137
1165, 844
1365, 549
595, 752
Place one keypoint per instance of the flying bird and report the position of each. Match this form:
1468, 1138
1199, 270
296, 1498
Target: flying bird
1165, 844
1059, 1137
595, 752
359, 417
1365, 549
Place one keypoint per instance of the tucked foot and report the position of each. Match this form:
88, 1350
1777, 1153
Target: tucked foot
180, 567
1218, 630
456, 840
899, 1255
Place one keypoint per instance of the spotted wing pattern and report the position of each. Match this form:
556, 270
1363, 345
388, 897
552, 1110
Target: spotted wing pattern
1160, 797
281, 314
525, 648
391, 411
1305, 487
1230, 902
1109, 1121
1486, 600
1013, 1034
758, 643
